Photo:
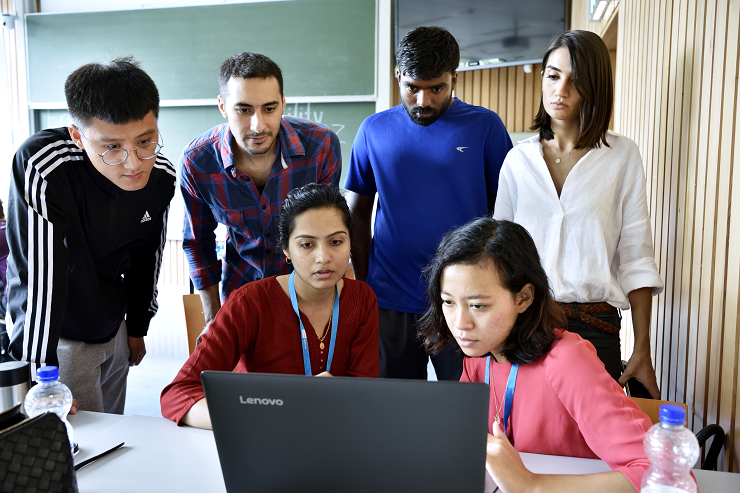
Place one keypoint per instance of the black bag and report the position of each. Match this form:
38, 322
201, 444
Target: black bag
35, 455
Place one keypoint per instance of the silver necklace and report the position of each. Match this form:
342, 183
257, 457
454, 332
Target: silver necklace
557, 159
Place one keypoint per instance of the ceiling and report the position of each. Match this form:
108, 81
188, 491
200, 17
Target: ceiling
515, 31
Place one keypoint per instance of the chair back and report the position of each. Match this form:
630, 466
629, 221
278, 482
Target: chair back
651, 407
194, 319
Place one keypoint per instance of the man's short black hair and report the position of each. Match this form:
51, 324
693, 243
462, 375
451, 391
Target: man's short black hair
248, 65
116, 92
427, 53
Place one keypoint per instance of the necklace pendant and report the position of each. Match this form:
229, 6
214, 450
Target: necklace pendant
321, 345
498, 421
557, 161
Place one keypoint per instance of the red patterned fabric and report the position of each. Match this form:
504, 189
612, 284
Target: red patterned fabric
257, 330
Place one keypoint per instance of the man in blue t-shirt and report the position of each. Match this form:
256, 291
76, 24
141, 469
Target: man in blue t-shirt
434, 162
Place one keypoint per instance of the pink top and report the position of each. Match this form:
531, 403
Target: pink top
567, 404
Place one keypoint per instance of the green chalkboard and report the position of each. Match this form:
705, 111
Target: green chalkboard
324, 47
180, 125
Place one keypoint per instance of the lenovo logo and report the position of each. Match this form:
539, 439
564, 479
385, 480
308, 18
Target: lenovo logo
260, 401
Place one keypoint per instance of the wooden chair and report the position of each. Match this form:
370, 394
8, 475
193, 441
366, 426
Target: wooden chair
194, 319
651, 407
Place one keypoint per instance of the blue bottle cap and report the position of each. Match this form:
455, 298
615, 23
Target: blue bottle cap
672, 414
47, 374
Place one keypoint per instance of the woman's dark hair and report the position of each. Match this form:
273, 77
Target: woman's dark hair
116, 92
591, 68
306, 198
512, 251
427, 53
248, 65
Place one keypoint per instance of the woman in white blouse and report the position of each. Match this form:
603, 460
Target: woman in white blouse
579, 189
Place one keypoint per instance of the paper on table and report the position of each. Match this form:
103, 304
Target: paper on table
490, 485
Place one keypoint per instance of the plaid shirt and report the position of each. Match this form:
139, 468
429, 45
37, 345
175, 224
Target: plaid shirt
215, 191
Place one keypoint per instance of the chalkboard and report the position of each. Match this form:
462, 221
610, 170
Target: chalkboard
180, 125
324, 47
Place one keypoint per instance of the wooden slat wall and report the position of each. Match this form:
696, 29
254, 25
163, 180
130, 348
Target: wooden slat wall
677, 91
508, 91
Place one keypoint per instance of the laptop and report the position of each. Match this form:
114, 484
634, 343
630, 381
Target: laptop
292, 433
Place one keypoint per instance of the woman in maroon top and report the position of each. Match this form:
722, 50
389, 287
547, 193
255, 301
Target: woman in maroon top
258, 330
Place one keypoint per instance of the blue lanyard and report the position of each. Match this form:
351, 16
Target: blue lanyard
304, 340
510, 384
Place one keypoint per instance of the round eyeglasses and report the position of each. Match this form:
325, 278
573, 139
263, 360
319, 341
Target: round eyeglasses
112, 157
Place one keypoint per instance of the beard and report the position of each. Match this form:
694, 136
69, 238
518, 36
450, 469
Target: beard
258, 150
436, 113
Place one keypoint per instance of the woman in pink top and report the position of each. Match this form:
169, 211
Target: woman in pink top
550, 394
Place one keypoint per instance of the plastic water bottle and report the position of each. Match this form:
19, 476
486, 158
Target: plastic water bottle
49, 394
673, 451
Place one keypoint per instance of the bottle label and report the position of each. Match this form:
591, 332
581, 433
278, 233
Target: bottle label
659, 488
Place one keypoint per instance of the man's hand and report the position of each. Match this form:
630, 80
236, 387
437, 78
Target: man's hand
211, 302
137, 350
75, 405
361, 207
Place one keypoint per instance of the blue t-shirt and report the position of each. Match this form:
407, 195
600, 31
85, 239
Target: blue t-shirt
429, 180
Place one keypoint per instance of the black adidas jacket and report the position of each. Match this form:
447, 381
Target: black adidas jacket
83, 252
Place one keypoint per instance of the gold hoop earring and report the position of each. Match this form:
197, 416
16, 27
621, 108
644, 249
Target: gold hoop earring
287, 259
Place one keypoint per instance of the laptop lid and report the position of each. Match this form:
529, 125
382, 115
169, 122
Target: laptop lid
278, 433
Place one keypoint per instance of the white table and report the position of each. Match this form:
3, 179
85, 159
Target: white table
157, 456
160, 456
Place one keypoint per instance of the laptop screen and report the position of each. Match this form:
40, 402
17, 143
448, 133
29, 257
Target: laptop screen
293, 433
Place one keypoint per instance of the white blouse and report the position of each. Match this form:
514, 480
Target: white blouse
595, 240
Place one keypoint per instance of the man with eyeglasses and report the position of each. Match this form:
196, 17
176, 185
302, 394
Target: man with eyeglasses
87, 217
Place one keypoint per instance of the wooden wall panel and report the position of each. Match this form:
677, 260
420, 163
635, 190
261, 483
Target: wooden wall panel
676, 97
509, 91
494, 106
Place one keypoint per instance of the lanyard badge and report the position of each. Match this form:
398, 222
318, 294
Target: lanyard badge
510, 385
304, 340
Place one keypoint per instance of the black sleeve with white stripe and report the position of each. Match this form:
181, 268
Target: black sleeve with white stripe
38, 260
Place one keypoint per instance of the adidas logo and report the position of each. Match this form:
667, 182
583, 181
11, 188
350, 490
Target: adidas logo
146, 217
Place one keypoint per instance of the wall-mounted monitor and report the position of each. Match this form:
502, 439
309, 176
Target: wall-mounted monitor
490, 33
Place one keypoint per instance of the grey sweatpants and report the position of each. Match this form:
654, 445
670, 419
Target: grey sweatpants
96, 373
